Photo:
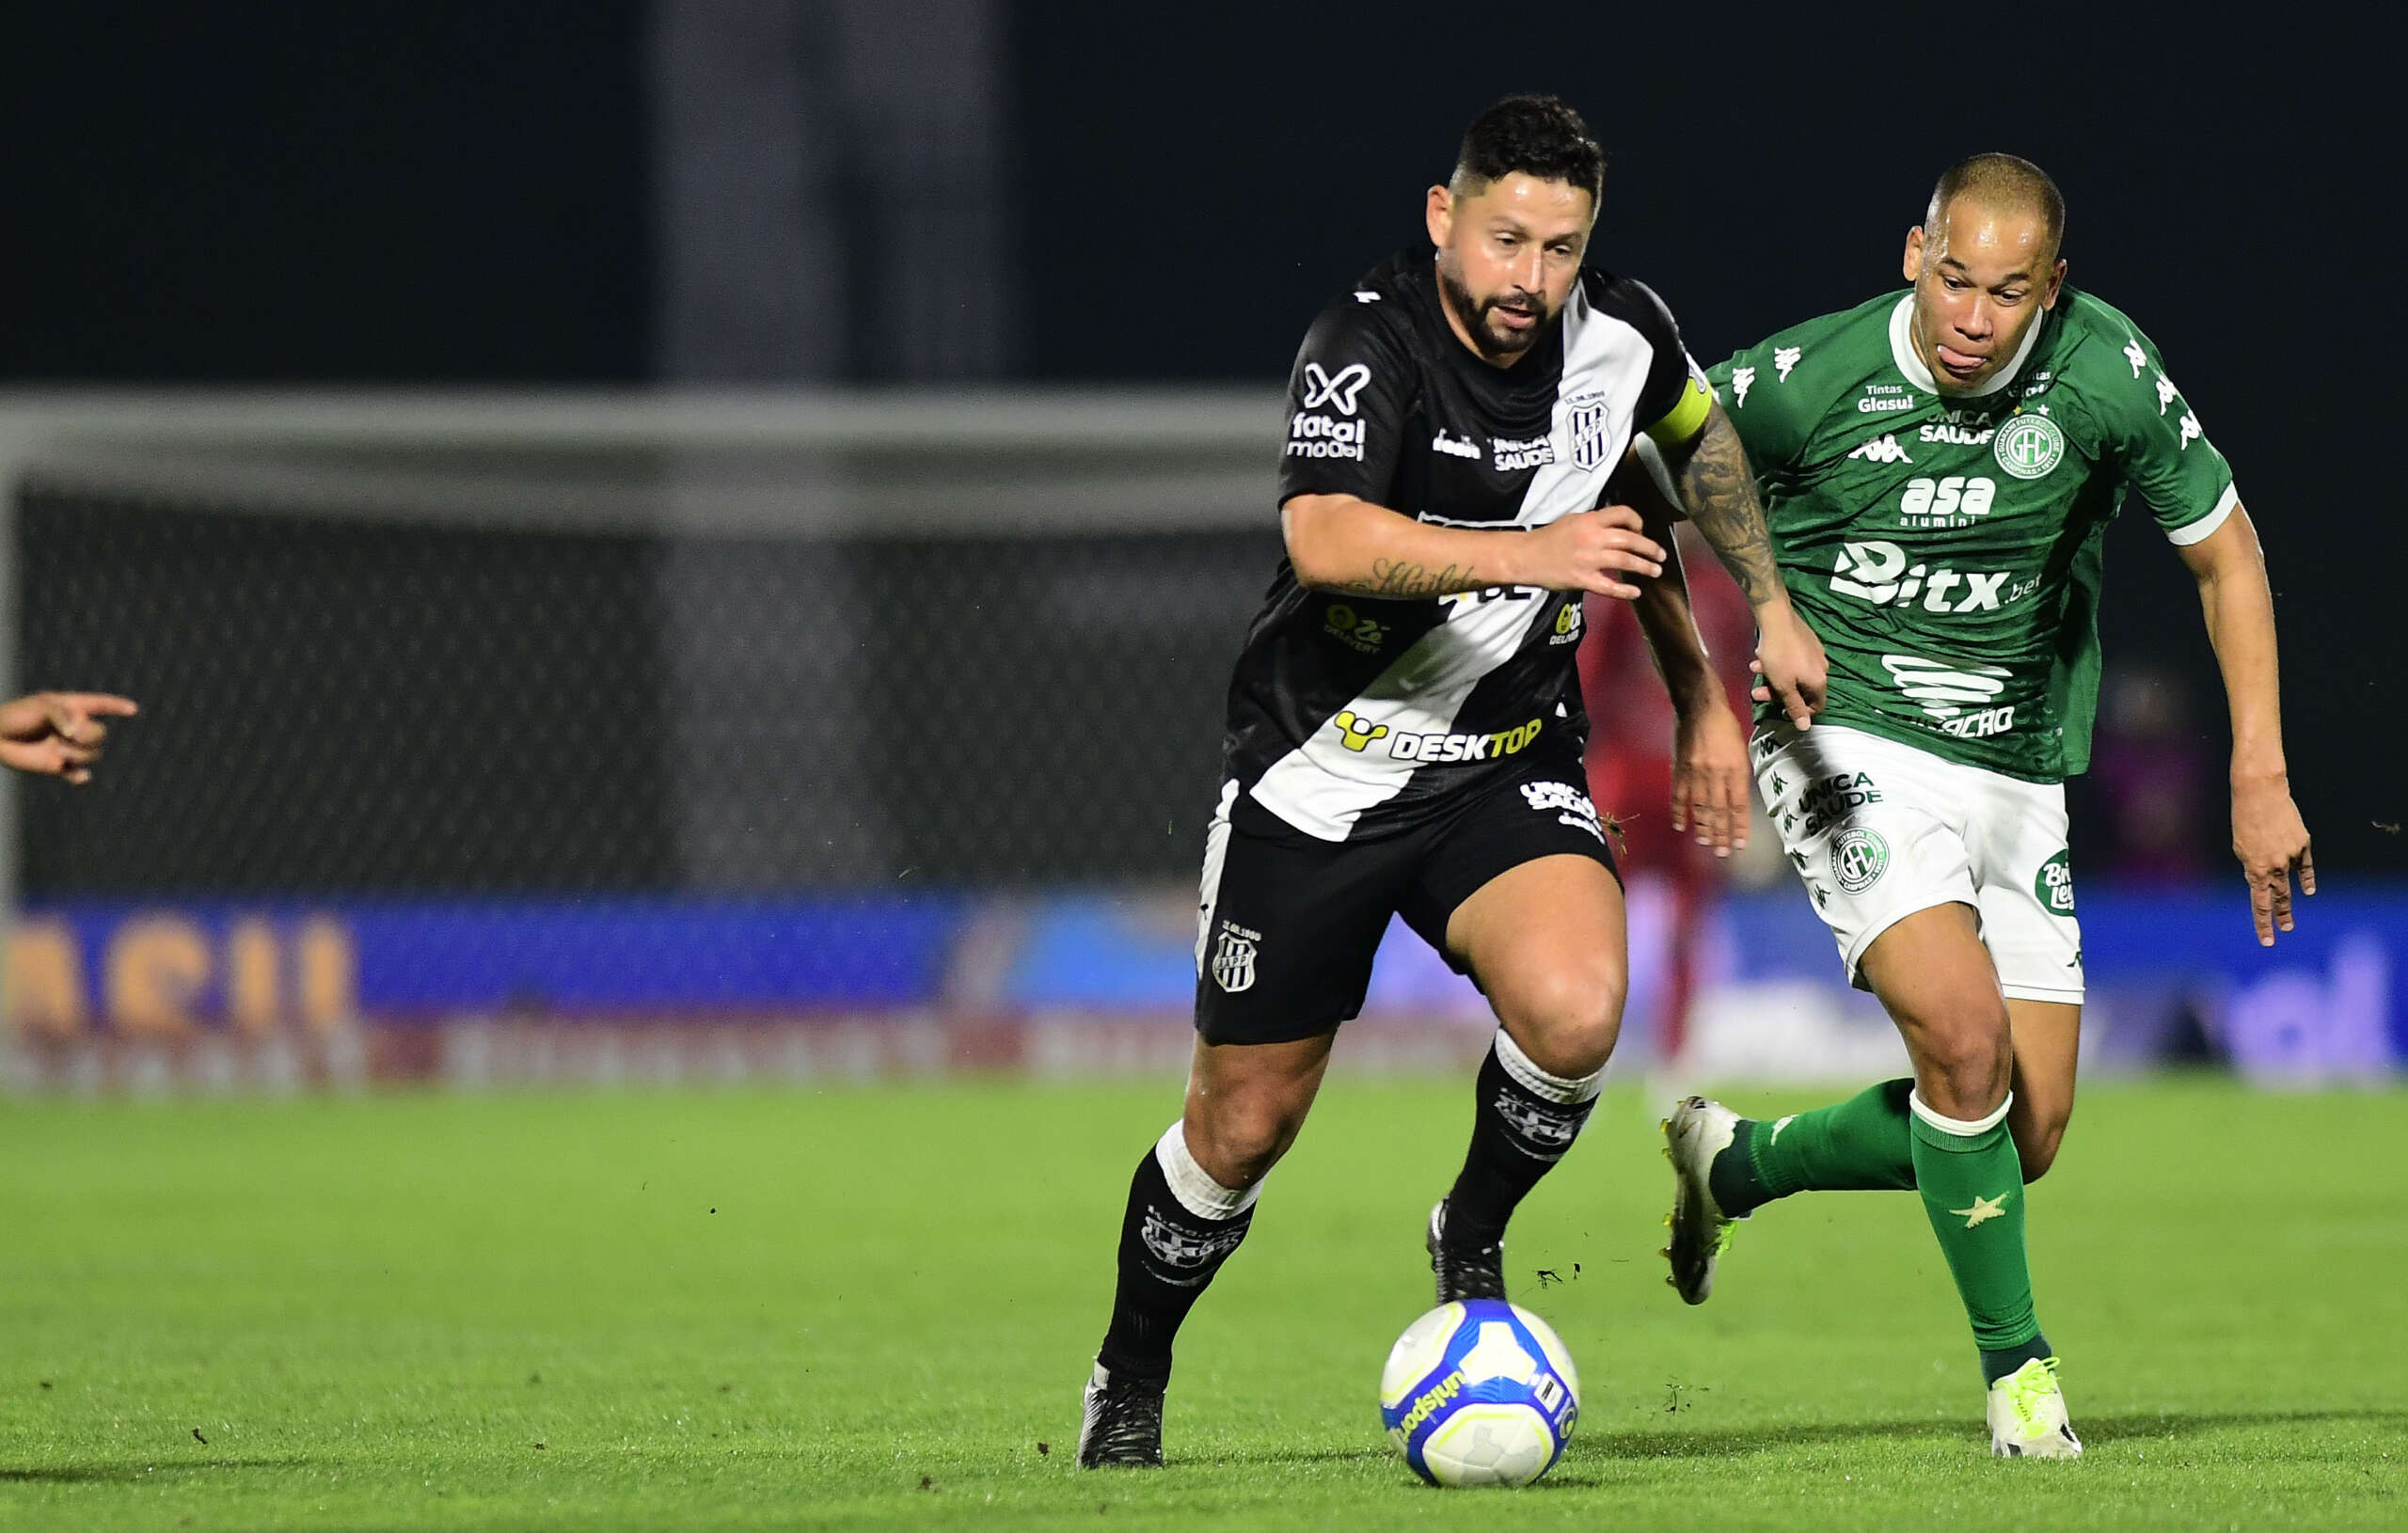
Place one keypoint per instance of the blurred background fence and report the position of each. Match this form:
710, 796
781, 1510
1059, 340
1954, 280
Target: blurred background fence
604, 738
707, 536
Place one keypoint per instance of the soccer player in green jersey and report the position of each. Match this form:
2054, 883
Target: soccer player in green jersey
1939, 467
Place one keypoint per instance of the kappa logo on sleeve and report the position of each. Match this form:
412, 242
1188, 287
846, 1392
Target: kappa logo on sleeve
1336, 390
1783, 359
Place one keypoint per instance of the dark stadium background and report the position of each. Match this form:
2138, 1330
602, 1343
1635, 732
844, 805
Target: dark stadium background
450, 192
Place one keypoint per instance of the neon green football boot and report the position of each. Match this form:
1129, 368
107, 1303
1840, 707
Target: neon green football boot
2028, 1415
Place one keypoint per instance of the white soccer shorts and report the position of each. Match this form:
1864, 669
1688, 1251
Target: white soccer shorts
1878, 831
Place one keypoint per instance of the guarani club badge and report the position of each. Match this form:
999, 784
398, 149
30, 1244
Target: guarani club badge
1858, 858
1585, 418
2028, 446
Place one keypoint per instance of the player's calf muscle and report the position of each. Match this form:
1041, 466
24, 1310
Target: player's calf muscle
1245, 1103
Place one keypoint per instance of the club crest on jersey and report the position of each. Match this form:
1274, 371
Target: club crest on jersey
1858, 858
1233, 959
1587, 418
2029, 445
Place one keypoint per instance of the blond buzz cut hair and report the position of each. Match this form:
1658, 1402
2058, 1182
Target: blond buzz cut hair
2003, 184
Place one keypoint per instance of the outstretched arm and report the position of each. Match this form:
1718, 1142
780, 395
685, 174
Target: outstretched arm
1709, 747
1709, 475
2267, 832
1342, 544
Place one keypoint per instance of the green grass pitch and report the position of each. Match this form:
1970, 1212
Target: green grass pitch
875, 1306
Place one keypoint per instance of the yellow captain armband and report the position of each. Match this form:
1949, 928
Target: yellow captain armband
1686, 417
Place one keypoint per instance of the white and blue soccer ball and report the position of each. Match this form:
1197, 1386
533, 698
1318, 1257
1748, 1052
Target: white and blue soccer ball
1479, 1393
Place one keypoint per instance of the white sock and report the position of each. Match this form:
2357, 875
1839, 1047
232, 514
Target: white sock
1538, 1083
1961, 1128
1196, 1192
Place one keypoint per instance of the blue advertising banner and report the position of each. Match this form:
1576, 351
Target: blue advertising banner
2171, 976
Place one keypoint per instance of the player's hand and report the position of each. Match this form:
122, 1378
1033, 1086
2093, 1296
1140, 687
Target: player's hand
1710, 775
2270, 840
1589, 550
58, 734
1790, 666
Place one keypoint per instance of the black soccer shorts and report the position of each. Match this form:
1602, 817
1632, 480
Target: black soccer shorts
1288, 922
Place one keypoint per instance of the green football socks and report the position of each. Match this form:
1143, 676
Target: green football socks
1972, 1193
1861, 1144
1886, 1139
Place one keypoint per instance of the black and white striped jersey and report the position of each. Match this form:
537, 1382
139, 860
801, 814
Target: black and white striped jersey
1351, 717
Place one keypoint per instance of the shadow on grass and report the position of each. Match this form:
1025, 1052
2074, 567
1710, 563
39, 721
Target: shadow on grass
2093, 1430
93, 1474
1295, 1456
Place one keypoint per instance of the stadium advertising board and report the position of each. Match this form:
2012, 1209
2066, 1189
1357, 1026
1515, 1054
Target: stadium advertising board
104, 995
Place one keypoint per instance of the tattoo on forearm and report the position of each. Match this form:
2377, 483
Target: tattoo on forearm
1403, 581
1720, 494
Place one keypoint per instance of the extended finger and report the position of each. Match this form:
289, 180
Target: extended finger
1620, 516
1606, 585
2306, 872
1793, 703
1680, 801
1637, 542
2262, 911
107, 702
1635, 558
2280, 882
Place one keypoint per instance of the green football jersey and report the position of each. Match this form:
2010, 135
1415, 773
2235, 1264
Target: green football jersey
1946, 549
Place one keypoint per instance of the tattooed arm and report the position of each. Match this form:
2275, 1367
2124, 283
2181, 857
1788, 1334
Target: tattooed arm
1708, 476
1349, 546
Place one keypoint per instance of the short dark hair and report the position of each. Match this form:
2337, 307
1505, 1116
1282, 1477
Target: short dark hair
1531, 135
2006, 183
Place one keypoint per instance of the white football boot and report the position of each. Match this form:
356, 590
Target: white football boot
1697, 1132
2028, 1415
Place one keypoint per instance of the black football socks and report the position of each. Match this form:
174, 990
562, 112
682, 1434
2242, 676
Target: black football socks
1523, 1121
1180, 1226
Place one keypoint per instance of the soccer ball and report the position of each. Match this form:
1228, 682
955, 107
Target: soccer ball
1479, 1393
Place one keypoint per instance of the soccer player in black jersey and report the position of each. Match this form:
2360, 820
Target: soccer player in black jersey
1405, 722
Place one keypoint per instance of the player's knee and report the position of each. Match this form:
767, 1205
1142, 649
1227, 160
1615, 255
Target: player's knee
1238, 1143
1568, 1022
1972, 1061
